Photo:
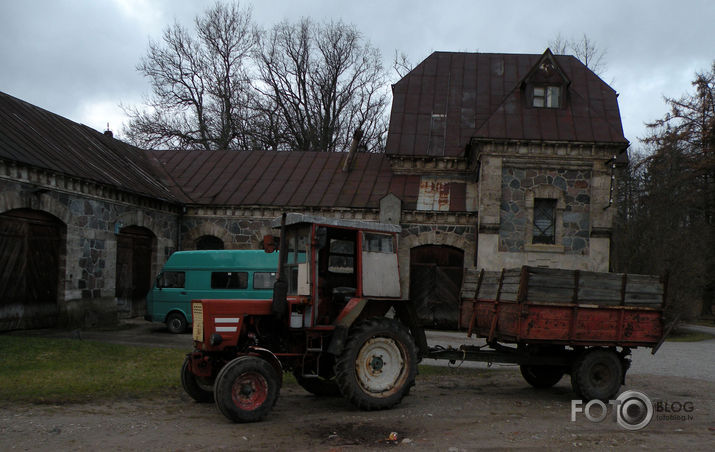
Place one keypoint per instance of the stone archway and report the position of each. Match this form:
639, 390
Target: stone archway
209, 242
32, 261
208, 229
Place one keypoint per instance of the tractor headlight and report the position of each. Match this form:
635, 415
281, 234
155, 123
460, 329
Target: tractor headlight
215, 339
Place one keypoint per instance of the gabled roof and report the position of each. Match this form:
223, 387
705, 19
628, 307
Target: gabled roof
450, 98
36, 137
285, 179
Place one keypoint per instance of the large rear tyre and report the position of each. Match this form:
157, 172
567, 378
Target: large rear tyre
196, 387
542, 377
597, 374
246, 389
378, 364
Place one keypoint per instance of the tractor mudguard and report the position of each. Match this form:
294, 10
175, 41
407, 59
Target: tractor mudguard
271, 358
404, 311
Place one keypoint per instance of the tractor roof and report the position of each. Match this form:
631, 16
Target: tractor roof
300, 218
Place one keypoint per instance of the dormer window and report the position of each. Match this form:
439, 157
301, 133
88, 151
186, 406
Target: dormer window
547, 97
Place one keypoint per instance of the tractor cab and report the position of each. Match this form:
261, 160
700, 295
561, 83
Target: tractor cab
329, 262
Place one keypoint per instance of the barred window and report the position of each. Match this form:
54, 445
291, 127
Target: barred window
544, 221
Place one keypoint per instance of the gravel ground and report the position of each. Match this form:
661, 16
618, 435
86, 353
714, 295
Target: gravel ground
461, 409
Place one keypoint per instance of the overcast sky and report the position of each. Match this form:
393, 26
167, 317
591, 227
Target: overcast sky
77, 58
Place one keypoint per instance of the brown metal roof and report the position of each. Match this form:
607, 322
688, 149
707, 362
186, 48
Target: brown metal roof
36, 137
481, 95
285, 179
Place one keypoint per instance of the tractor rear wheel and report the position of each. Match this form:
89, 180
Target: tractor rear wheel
246, 389
597, 374
198, 388
378, 364
542, 376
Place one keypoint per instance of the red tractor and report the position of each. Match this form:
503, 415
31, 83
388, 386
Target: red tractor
337, 321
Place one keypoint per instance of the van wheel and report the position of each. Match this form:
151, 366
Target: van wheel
176, 322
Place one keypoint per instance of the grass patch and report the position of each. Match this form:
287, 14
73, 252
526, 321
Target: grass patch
688, 336
40, 370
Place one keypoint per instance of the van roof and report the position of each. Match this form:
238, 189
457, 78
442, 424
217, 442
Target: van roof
223, 260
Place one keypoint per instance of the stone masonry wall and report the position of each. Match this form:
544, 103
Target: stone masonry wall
574, 227
88, 277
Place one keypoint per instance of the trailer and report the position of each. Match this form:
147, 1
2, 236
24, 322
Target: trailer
559, 322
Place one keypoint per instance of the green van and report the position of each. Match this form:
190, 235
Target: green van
209, 274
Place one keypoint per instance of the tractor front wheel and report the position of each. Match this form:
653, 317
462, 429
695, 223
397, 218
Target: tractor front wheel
378, 365
246, 389
198, 388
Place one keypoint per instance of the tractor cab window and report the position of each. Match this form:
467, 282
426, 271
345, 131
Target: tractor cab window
378, 243
342, 256
298, 241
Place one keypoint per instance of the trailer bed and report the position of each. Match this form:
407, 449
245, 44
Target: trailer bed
568, 307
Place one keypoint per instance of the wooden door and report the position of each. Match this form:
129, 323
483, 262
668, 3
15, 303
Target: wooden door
435, 284
31, 248
134, 256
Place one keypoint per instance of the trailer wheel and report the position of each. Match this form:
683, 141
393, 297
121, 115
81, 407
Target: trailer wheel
198, 388
542, 376
597, 374
176, 322
246, 389
378, 364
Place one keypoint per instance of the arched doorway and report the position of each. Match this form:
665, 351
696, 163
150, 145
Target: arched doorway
135, 249
209, 242
435, 284
32, 253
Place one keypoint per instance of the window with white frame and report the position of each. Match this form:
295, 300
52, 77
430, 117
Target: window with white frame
547, 97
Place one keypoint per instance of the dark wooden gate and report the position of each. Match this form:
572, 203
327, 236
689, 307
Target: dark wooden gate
435, 284
134, 253
31, 249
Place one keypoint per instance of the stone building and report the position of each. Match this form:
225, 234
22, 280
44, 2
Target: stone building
492, 160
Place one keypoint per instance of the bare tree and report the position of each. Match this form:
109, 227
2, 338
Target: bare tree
320, 83
585, 49
668, 216
401, 64
201, 90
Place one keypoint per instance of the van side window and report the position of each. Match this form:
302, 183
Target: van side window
264, 280
229, 280
171, 280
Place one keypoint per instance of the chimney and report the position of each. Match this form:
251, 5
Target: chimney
357, 136
108, 133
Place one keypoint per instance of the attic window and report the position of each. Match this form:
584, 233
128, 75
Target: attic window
547, 96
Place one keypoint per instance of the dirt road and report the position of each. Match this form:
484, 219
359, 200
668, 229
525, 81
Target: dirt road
463, 410
459, 409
